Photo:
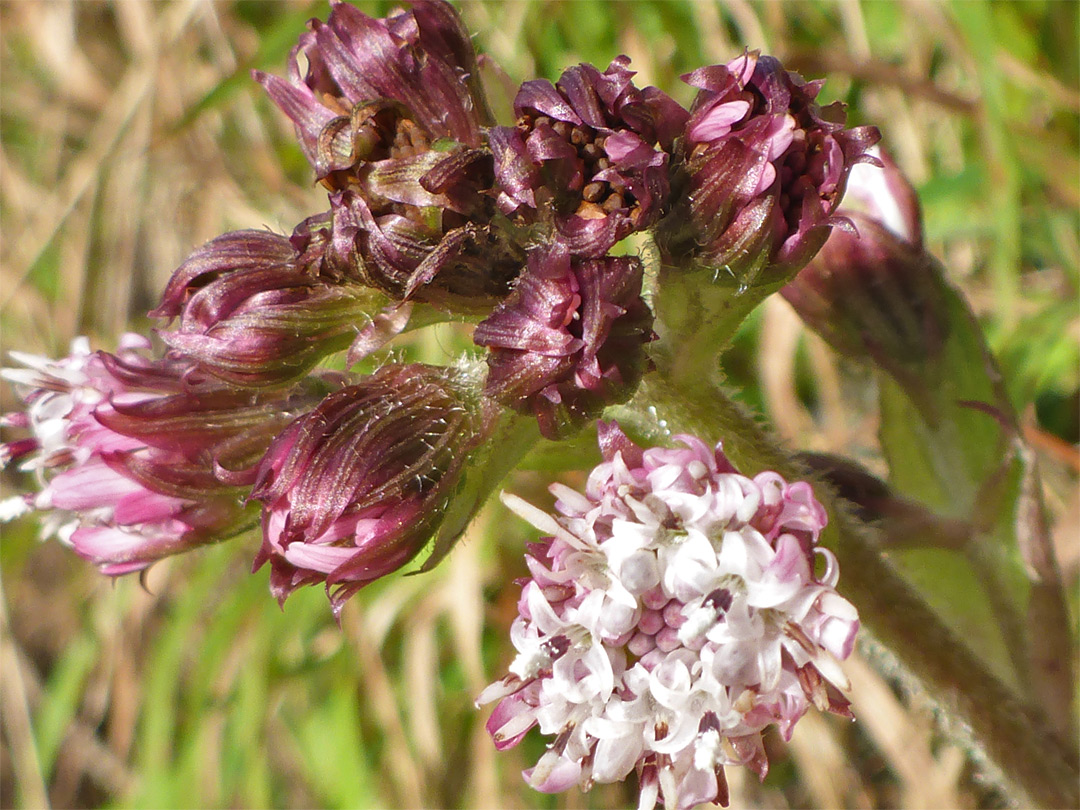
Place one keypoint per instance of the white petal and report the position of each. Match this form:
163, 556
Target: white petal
539, 518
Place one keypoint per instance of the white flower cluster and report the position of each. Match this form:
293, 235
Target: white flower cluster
673, 613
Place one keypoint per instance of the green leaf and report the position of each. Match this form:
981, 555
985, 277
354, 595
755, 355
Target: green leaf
949, 439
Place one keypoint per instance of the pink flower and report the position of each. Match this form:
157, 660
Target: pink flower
765, 168
135, 459
354, 489
673, 614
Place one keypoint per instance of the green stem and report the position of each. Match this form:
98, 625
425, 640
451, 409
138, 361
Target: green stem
1011, 733
701, 317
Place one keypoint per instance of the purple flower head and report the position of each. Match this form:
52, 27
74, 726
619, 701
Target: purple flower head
569, 340
766, 167
390, 114
354, 489
257, 309
588, 156
380, 88
671, 616
134, 463
877, 293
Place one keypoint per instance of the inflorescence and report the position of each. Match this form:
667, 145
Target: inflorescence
677, 608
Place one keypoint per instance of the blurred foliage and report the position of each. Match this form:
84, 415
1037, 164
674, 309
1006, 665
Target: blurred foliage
130, 133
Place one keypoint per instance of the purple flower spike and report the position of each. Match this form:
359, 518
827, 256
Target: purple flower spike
375, 88
569, 340
766, 168
256, 309
135, 459
353, 490
671, 617
587, 155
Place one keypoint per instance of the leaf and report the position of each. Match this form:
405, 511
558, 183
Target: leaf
949, 438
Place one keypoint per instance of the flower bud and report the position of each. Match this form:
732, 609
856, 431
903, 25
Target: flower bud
882, 194
877, 293
354, 489
587, 156
256, 309
136, 460
765, 168
569, 340
672, 616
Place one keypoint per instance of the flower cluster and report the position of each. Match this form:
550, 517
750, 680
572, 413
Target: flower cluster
399, 440
764, 168
677, 608
434, 211
584, 155
675, 611
389, 112
258, 310
137, 459
568, 339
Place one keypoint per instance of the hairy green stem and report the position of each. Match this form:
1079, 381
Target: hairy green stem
1011, 732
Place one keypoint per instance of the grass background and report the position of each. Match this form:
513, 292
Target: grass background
130, 133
